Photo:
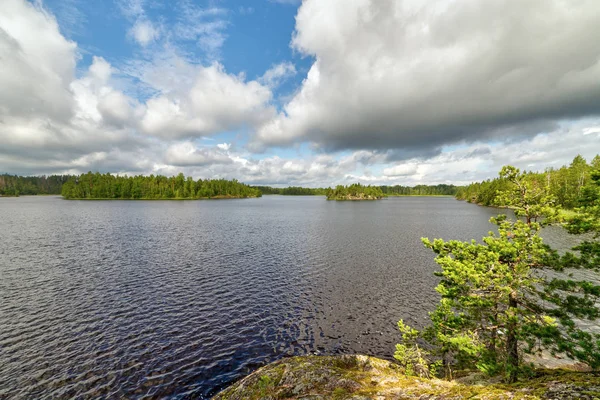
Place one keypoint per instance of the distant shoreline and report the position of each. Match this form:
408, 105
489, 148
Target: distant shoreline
420, 195
168, 199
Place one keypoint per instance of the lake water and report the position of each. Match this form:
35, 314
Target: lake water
150, 299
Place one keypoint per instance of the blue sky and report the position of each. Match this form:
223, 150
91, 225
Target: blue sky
254, 38
311, 93
251, 39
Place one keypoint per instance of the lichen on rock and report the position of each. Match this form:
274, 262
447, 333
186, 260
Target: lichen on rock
361, 377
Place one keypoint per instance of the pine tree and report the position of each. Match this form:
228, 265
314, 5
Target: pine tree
508, 295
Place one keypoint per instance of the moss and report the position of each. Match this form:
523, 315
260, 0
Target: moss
339, 393
346, 377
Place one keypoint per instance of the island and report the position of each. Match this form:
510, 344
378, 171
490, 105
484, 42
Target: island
355, 191
98, 186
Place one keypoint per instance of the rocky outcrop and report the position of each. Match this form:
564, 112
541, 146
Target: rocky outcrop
363, 377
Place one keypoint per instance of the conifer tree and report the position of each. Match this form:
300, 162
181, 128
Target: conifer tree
509, 294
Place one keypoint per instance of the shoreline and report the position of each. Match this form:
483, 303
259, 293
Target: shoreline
167, 199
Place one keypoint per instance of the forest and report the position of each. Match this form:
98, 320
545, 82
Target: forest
420, 190
292, 191
564, 184
356, 191
396, 190
108, 186
13, 185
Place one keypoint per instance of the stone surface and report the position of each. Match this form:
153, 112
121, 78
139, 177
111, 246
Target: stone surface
362, 377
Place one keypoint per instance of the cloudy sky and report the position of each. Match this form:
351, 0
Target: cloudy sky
311, 93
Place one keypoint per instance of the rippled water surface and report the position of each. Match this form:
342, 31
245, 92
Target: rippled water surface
151, 299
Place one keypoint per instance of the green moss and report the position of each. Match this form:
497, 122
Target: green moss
339, 393
345, 377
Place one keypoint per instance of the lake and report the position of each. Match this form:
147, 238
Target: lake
178, 299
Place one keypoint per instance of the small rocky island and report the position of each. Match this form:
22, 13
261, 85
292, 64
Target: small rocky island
363, 377
355, 191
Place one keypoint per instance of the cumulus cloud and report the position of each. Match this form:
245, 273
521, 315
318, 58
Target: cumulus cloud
48, 117
418, 75
414, 94
214, 102
49, 114
37, 64
97, 101
187, 154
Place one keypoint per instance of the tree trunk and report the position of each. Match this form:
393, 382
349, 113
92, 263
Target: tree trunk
512, 342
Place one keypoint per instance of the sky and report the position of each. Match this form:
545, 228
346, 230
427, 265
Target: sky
306, 93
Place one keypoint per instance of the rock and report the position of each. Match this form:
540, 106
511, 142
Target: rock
362, 377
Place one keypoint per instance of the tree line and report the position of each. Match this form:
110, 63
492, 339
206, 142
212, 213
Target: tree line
565, 184
420, 190
511, 294
396, 190
356, 191
108, 186
13, 185
292, 191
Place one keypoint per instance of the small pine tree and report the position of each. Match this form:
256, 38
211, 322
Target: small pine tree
501, 298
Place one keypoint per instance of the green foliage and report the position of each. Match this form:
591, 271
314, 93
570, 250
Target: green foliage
588, 217
420, 190
565, 184
291, 191
397, 190
411, 356
511, 293
13, 185
356, 191
528, 198
107, 186
570, 297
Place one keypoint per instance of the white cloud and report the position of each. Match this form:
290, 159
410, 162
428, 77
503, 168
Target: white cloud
97, 101
416, 75
205, 26
54, 120
132, 8
115, 108
144, 32
591, 130
48, 117
37, 63
405, 169
275, 75
214, 101
47, 113
187, 154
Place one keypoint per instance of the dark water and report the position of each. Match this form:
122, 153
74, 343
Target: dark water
157, 299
